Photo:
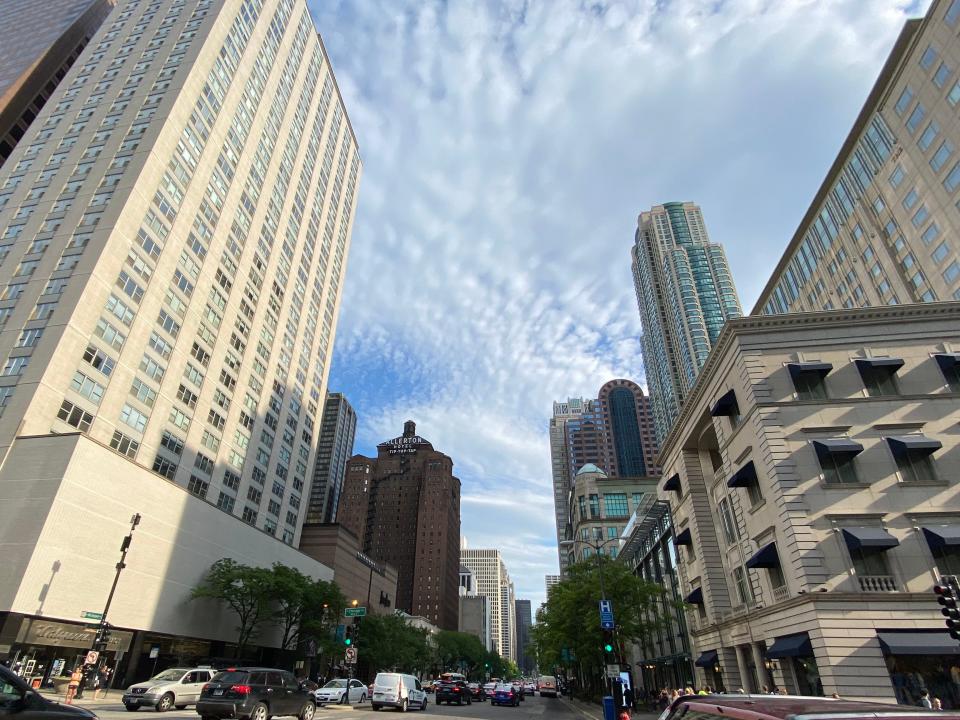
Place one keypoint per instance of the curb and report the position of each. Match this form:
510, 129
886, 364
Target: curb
582, 709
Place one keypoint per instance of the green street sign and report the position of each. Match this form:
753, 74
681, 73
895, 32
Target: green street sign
355, 612
87, 615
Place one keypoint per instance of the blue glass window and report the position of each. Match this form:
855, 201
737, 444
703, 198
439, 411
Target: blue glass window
940, 253
929, 135
942, 155
953, 97
911, 199
904, 101
942, 74
928, 58
952, 14
931, 233
952, 272
952, 180
916, 117
920, 216
896, 177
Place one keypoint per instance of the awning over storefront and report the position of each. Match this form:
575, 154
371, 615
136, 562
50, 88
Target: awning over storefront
920, 444
707, 659
790, 646
917, 642
797, 368
869, 538
695, 598
940, 536
892, 364
836, 446
726, 405
684, 537
672, 483
744, 477
765, 557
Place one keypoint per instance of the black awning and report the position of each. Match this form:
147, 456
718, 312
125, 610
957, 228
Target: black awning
880, 363
726, 405
919, 444
790, 646
695, 597
869, 538
947, 361
797, 368
707, 659
765, 557
836, 446
744, 477
917, 642
940, 536
684, 537
672, 483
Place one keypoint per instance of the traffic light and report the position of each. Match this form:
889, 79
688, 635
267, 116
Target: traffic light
947, 598
348, 638
102, 636
608, 643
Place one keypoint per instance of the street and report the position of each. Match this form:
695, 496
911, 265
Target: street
532, 707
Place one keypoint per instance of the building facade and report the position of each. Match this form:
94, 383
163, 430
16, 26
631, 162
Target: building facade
615, 432
475, 618
549, 581
41, 42
334, 448
174, 228
405, 504
524, 618
810, 481
882, 228
685, 294
492, 581
508, 621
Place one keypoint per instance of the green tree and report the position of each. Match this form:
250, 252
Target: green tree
247, 591
303, 606
459, 652
388, 642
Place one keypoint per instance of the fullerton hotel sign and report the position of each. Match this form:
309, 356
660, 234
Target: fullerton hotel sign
404, 445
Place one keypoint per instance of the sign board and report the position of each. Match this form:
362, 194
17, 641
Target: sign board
57, 634
154, 652
87, 615
613, 672
91, 658
404, 445
341, 633
355, 612
350, 655
606, 615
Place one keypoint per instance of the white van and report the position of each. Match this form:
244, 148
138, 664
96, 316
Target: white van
547, 686
398, 690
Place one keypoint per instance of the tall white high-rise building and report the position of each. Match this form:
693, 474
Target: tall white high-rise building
334, 447
550, 581
491, 580
563, 412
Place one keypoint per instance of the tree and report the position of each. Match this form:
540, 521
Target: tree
387, 642
303, 605
248, 591
460, 652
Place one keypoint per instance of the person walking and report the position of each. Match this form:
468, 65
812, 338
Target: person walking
925, 699
75, 677
103, 678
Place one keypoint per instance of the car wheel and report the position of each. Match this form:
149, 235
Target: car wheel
423, 705
308, 711
131, 708
165, 702
259, 712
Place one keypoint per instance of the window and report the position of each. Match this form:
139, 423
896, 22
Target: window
952, 14
90, 389
16, 365
929, 57
134, 418
896, 177
947, 558
143, 392
225, 502
198, 486
879, 380
249, 515
916, 117
165, 467
929, 134
775, 574
727, 521
867, 562
838, 468
915, 466
615, 504
110, 334
75, 416
904, 101
594, 506
742, 583
810, 384
124, 444
179, 418
942, 74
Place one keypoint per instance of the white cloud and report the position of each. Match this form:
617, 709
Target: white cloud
508, 148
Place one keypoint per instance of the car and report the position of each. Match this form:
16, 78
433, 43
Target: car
398, 690
518, 689
782, 707
489, 688
504, 694
453, 691
255, 693
18, 699
530, 687
476, 691
342, 691
547, 686
173, 688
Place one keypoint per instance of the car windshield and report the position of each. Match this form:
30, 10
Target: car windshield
336, 684
171, 674
230, 676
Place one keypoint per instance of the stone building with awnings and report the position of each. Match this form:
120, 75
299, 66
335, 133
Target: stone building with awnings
812, 479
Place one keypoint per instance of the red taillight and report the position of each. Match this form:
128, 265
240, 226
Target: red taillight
205, 687
231, 669
240, 689
456, 689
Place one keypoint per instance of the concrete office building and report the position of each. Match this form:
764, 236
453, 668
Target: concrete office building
492, 581
405, 505
810, 477
524, 620
334, 448
883, 227
41, 41
174, 229
549, 582
685, 294
475, 618
614, 432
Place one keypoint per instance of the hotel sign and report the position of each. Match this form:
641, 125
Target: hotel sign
57, 634
404, 445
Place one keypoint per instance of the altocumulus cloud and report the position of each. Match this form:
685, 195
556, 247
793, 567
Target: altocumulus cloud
508, 148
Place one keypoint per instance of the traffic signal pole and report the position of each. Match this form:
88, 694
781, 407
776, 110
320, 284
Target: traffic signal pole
948, 597
103, 631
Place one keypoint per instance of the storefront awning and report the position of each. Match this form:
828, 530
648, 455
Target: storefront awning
684, 537
891, 364
836, 446
765, 557
919, 444
869, 538
707, 659
695, 598
917, 642
672, 483
797, 368
744, 477
726, 405
940, 536
790, 646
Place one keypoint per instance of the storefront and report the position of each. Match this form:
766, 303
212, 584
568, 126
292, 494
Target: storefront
710, 662
922, 660
796, 658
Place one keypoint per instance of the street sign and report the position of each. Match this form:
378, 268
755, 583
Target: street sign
355, 612
606, 615
350, 655
341, 633
92, 656
613, 671
87, 615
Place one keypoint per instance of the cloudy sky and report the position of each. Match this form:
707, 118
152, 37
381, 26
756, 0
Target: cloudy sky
508, 148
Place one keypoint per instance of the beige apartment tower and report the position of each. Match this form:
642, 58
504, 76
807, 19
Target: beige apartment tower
492, 581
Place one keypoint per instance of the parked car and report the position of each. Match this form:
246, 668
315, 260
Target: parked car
489, 689
343, 691
18, 699
255, 694
547, 686
398, 690
504, 694
453, 691
476, 691
781, 707
173, 688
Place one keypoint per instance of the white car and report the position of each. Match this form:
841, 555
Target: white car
173, 688
530, 687
341, 691
398, 690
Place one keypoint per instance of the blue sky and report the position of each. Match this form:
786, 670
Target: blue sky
508, 148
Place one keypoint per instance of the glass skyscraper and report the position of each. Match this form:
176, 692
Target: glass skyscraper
685, 293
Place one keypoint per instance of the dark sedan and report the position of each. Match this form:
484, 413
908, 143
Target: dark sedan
476, 692
504, 694
453, 691
255, 694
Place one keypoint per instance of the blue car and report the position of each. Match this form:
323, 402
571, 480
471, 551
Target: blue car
504, 694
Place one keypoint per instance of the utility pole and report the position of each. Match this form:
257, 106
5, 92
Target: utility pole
103, 630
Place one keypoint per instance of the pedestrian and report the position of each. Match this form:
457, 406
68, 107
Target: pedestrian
937, 705
75, 677
836, 696
628, 698
925, 699
104, 680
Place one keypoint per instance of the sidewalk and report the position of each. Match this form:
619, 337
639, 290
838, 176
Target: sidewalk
595, 712
114, 697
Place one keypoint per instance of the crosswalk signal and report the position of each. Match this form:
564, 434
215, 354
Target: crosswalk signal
947, 598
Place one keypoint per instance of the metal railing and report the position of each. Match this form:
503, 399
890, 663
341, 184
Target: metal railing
781, 593
877, 583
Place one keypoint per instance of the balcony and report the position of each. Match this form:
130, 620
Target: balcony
781, 593
877, 583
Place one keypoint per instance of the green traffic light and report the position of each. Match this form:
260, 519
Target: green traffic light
608, 647
348, 641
